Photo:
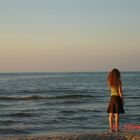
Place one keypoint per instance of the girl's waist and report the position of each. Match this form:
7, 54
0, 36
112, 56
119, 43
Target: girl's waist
114, 94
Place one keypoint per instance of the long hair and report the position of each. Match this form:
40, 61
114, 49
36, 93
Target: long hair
114, 78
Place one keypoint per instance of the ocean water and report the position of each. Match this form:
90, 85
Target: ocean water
50, 103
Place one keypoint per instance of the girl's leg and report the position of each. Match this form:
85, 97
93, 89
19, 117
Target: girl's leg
111, 121
117, 121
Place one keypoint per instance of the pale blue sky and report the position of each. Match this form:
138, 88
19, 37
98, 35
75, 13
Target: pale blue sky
69, 35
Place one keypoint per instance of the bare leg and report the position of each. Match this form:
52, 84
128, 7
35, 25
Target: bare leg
111, 121
117, 121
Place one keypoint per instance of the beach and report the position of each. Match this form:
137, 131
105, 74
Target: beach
69, 70
82, 136
40, 104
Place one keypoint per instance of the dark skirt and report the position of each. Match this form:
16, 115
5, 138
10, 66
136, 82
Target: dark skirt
115, 105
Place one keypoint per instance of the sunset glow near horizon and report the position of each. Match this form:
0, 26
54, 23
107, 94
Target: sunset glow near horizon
69, 35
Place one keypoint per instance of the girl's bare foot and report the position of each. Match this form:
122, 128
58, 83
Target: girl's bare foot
111, 130
117, 130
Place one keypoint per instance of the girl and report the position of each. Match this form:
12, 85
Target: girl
117, 100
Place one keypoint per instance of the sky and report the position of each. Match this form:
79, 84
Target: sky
69, 35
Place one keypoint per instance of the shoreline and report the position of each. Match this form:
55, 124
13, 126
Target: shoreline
126, 135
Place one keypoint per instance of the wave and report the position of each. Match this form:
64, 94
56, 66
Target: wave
21, 114
35, 97
21, 98
80, 111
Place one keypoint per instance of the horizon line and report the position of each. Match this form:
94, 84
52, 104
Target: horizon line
64, 71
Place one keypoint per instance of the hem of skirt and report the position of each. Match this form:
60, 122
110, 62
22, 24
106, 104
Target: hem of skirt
117, 112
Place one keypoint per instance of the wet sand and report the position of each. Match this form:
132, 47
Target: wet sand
82, 136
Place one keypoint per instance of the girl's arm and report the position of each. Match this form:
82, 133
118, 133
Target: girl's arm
121, 92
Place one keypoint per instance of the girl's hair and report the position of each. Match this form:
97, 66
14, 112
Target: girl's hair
114, 78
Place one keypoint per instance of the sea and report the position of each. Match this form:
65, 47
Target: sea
54, 103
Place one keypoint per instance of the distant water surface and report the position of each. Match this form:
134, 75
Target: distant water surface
47, 103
